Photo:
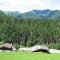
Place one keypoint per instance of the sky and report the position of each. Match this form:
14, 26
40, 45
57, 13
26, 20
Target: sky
28, 5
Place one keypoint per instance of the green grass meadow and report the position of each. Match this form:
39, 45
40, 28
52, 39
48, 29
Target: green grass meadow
28, 56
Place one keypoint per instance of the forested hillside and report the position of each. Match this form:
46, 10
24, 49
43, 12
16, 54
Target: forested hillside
28, 32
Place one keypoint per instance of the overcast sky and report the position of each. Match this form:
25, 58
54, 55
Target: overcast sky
27, 5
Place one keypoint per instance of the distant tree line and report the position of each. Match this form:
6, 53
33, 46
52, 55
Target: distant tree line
28, 32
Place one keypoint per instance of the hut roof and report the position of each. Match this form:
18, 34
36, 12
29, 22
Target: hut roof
7, 45
38, 47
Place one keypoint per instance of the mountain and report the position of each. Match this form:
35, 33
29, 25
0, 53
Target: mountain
13, 13
36, 14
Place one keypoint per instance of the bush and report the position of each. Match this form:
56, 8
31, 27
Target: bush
54, 46
16, 46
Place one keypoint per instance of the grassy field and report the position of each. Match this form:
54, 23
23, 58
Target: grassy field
28, 56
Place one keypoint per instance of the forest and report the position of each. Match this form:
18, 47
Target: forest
29, 32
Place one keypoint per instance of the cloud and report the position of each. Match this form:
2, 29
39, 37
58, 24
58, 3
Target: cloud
54, 5
25, 5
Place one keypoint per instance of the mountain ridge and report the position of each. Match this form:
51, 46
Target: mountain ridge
36, 14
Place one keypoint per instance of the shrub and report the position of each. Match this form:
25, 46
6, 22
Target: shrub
16, 46
54, 46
